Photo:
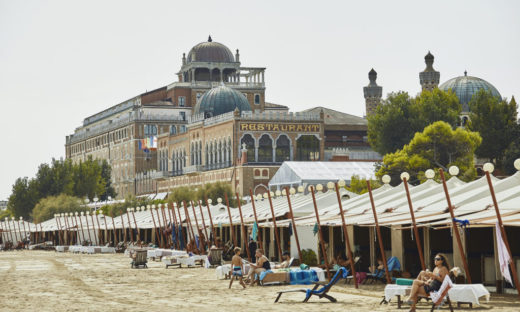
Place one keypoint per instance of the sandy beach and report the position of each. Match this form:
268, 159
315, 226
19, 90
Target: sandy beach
49, 281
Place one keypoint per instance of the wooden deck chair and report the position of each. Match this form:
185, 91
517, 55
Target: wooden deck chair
322, 292
140, 259
215, 256
438, 297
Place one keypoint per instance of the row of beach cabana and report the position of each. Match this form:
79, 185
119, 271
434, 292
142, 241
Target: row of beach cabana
412, 223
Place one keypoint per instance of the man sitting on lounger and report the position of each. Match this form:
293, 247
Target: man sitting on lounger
262, 264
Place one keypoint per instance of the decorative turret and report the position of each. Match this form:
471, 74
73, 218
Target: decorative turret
429, 78
372, 92
237, 57
183, 58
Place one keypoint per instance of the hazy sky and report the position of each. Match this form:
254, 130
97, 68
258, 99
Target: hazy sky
61, 61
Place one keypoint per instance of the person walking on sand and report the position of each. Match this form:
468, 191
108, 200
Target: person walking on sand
236, 263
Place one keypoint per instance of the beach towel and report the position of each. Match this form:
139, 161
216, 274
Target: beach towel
263, 274
254, 232
438, 296
503, 256
304, 277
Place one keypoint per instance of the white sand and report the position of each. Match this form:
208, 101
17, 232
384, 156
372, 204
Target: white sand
49, 281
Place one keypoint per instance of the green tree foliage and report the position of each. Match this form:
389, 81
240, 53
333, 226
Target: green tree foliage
496, 121
131, 201
183, 193
216, 190
85, 179
23, 197
438, 146
359, 186
47, 207
399, 117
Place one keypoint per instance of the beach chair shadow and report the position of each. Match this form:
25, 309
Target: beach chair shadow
320, 293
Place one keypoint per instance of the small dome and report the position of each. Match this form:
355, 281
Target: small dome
210, 51
466, 86
221, 100
428, 56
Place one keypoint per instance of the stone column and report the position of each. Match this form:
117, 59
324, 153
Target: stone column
457, 257
426, 246
397, 244
274, 152
371, 237
256, 152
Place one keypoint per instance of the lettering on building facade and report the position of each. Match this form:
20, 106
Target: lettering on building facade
262, 126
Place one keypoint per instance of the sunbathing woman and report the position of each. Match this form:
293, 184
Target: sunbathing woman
427, 281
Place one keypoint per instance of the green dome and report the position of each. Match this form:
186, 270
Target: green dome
465, 86
221, 100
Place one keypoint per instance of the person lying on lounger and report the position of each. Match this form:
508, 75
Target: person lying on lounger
380, 266
286, 261
262, 264
428, 281
236, 268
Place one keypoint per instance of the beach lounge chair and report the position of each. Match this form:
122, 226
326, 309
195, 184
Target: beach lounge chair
322, 292
392, 263
140, 259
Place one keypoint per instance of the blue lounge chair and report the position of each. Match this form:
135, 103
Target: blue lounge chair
322, 292
392, 263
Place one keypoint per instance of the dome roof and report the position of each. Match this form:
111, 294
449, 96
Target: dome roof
210, 52
221, 100
465, 86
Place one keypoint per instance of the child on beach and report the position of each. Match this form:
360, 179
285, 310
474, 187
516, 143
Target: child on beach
236, 267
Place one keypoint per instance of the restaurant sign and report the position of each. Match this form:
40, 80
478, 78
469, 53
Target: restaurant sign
263, 126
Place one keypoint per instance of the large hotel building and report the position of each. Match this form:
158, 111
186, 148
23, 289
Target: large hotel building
213, 124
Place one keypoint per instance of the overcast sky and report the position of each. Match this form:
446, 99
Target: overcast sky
61, 61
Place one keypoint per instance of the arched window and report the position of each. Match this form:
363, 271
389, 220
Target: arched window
308, 148
250, 146
283, 149
265, 149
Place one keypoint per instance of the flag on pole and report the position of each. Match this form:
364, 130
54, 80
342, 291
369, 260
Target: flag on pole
503, 256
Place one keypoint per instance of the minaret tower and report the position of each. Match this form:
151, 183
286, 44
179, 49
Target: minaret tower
372, 92
429, 77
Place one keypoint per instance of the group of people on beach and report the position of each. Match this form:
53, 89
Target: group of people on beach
262, 264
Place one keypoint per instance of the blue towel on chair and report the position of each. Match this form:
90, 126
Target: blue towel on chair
264, 273
304, 277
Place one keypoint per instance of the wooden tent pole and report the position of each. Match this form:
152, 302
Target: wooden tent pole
94, 227
254, 213
198, 228
101, 237
244, 234
124, 229
416, 231
293, 223
204, 225
233, 236
185, 236
188, 220
276, 234
379, 237
454, 226
322, 243
113, 227
130, 229
136, 228
503, 232
210, 220
154, 226
345, 233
